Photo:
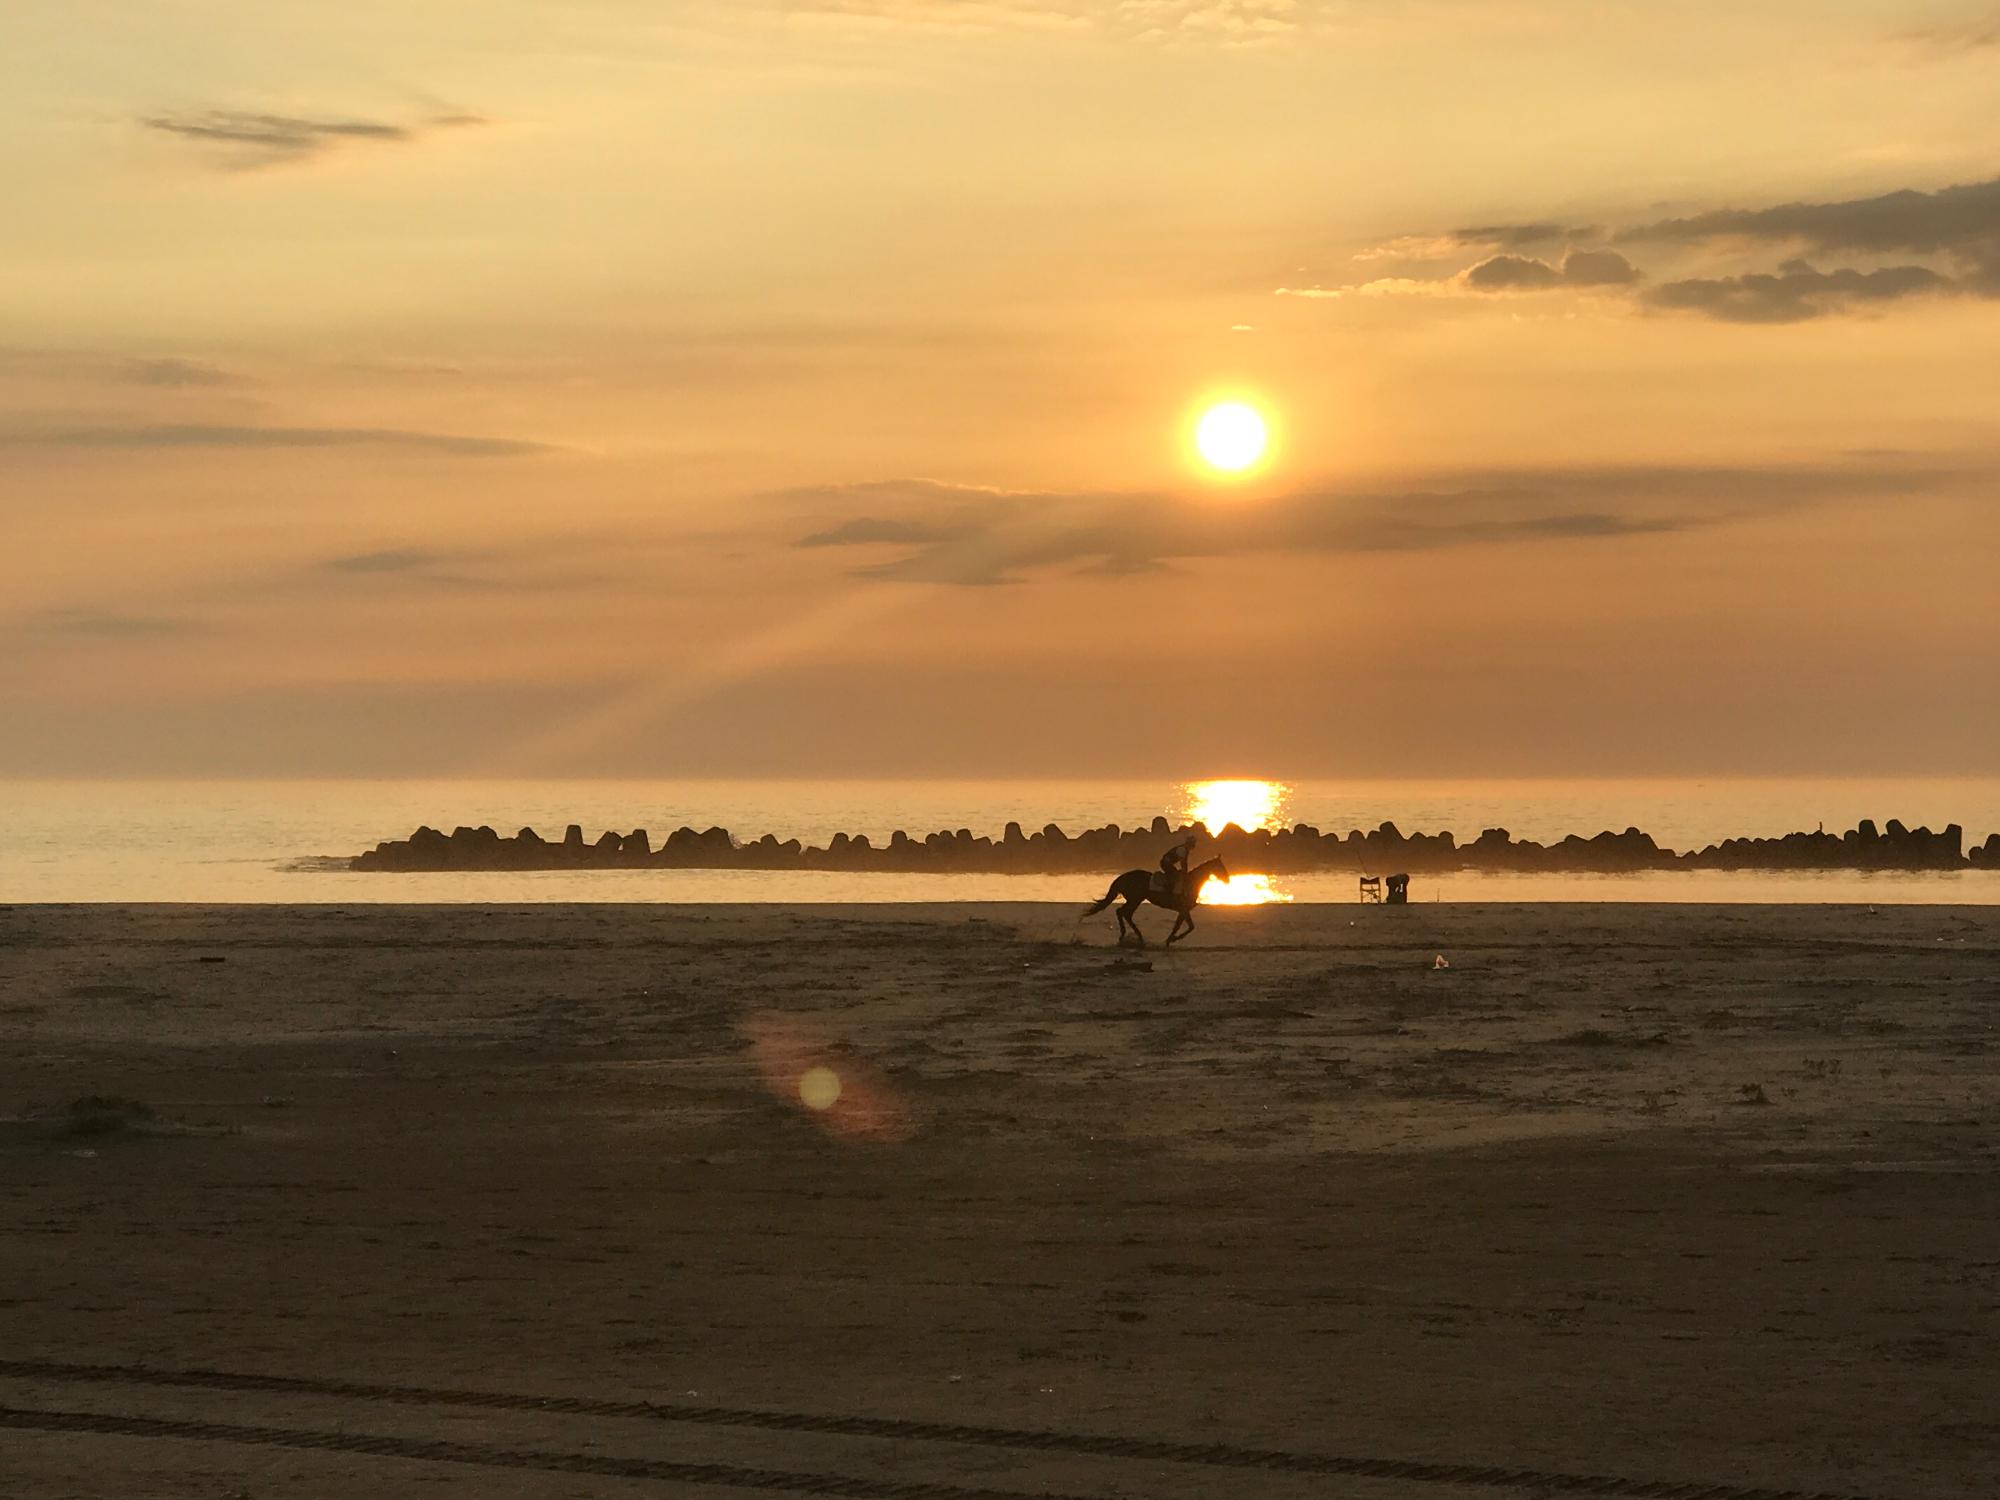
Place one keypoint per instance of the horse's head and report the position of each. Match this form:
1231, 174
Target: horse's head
1214, 869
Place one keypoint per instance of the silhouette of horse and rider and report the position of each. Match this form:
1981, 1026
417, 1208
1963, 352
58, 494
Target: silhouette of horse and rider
1173, 886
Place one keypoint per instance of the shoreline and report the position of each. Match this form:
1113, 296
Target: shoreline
830, 891
841, 907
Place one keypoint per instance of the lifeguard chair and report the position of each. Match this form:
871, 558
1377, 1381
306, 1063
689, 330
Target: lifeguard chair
1371, 888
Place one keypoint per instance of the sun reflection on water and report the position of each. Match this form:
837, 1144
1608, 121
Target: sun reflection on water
1244, 890
1250, 804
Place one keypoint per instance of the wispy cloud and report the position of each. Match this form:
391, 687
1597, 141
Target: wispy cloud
1952, 38
1509, 236
1380, 286
389, 560
523, 569
867, 530
1495, 274
941, 533
1228, 23
112, 436
237, 139
177, 373
104, 368
966, 17
1456, 242
106, 623
547, 565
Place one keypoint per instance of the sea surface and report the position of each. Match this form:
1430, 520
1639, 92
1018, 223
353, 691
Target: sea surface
287, 841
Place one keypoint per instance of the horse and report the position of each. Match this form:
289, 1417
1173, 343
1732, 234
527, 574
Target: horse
1135, 887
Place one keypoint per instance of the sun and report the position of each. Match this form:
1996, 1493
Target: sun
1251, 804
1248, 802
1231, 436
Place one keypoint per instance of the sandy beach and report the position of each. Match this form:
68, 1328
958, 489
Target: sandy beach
1663, 1200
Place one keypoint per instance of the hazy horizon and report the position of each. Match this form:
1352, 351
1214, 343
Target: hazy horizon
291, 841
803, 389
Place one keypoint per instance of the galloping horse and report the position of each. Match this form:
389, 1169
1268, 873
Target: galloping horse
1135, 887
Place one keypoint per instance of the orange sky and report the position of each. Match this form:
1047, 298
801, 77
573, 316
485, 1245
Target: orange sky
787, 388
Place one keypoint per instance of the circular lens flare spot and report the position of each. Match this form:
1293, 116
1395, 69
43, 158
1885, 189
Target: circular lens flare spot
1231, 437
819, 1088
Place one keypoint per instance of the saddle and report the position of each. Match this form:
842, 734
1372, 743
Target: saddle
1165, 887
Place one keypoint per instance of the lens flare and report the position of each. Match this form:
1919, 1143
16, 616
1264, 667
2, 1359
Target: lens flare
832, 1085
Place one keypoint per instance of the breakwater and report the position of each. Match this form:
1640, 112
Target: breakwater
1296, 850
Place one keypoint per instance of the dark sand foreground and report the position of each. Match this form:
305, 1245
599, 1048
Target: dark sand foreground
1671, 1195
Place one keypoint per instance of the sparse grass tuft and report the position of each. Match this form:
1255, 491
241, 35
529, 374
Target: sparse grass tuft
105, 1114
1592, 1036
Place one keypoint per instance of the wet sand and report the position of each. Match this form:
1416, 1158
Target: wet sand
1667, 1194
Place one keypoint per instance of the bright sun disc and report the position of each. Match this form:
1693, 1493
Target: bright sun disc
1230, 437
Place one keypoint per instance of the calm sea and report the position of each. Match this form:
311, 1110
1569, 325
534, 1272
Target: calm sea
265, 841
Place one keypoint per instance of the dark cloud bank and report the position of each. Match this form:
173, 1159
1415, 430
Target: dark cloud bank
1958, 227
1796, 291
1507, 273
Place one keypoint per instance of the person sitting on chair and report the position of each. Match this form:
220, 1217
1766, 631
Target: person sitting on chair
1174, 866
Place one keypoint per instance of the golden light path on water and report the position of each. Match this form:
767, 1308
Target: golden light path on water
1249, 804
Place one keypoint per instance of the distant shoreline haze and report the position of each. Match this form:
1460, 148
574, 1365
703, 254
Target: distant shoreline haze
293, 841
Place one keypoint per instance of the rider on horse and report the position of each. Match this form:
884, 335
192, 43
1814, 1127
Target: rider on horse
1176, 885
1174, 866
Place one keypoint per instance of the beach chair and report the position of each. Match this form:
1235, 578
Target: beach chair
1371, 888
1399, 890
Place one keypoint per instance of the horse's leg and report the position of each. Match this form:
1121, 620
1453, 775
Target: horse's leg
1129, 915
1183, 925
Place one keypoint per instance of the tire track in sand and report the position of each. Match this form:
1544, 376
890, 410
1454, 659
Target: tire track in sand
1215, 1455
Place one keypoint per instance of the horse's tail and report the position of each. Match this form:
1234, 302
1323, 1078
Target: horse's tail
1109, 897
